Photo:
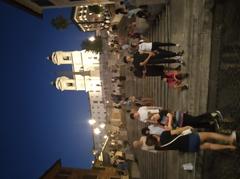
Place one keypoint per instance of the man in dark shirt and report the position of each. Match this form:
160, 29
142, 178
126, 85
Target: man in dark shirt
150, 58
152, 70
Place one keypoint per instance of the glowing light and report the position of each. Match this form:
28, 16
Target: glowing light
97, 131
105, 137
102, 125
92, 38
91, 121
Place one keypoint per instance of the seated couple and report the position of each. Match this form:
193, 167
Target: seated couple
185, 139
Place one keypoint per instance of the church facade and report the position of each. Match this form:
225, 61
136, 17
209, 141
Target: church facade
85, 76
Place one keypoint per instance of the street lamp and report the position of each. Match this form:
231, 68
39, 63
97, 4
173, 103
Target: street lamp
91, 39
91, 121
97, 131
102, 125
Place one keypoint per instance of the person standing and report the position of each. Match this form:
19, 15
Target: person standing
152, 70
143, 113
176, 119
153, 46
140, 60
174, 79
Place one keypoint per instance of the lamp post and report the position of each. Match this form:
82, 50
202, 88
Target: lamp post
91, 121
92, 38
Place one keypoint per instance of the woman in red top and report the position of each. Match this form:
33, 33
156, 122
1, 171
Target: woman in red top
174, 79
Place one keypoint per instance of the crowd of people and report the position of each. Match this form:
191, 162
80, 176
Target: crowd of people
143, 57
166, 129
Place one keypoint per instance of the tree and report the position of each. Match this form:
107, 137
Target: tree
95, 46
60, 22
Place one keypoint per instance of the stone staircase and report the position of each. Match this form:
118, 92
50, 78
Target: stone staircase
188, 22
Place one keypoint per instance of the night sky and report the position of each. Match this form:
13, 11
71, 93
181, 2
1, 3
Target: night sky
39, 124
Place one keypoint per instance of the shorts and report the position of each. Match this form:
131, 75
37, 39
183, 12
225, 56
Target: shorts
193, 142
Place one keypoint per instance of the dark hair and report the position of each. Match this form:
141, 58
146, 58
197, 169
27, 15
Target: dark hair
145, 131
131, 115
118, 107
114, 27
133, 46
120, 11
150, 141
125, 59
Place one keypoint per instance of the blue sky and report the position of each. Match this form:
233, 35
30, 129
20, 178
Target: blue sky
38, 123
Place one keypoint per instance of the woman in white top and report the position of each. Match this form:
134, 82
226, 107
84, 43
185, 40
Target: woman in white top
141, 144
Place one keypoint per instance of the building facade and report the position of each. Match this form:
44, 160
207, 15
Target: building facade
57, 171
36, 7
92, 17
85, 76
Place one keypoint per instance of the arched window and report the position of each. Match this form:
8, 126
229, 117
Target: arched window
66, 58
69, 84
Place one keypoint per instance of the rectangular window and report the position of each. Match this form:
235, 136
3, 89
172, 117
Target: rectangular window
69, 84
43, 2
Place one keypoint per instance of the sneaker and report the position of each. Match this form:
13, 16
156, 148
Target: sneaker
186, 75
219, 115
180, 53
217, 126
185, 87
182, 62
178, 68
234, 136
238, 138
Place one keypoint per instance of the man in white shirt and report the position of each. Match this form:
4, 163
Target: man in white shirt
144, 113
153, 46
